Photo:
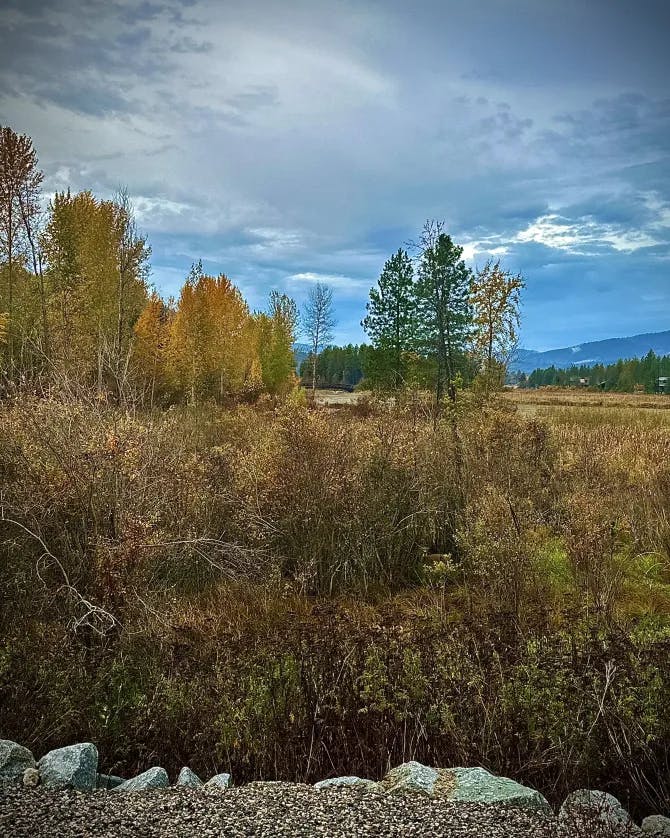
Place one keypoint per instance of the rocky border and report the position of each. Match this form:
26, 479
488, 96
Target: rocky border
585, 811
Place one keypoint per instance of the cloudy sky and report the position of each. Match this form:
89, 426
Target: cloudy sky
287, 142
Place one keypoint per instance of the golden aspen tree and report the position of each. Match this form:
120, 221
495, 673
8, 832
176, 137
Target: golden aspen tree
150, 347
85, 244
20, 180
230, 352
495, 296
184, 355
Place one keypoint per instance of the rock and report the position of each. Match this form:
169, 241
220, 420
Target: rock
221, 781
476, 785
467, 785
189, 778
412, 777
73, 767
656, 826
153, 778
344, 781
14, 760
597, 811
31, 778
108, 781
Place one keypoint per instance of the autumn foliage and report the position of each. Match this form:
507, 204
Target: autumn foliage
76, 306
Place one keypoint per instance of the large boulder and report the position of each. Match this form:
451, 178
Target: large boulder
597, 812
656, 826
335, 782
189, 778
153, 778
219, 781
471, 785
14, 760
72, 767
476, 785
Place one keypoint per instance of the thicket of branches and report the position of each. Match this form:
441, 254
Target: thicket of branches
299, 593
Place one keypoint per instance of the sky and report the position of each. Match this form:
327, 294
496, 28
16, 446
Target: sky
286, 143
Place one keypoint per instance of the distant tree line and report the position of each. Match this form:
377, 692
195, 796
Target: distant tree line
624, 376
337, 366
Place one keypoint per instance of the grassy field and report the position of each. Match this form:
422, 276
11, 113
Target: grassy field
528, 401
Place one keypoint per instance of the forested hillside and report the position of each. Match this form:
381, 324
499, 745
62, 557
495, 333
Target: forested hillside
624, 376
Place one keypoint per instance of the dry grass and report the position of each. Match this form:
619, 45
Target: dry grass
556, 396
298, 592
330, 398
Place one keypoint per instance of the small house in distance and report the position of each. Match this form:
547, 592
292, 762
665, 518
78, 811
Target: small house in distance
663, 384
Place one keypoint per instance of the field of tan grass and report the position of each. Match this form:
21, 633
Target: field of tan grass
557, 397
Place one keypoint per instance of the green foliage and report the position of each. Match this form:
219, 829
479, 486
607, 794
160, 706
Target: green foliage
623, 376
392, 321
337, 366
442, 288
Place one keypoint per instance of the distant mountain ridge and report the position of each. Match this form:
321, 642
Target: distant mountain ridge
593, 352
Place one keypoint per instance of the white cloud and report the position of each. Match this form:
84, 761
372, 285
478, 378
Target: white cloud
582, 235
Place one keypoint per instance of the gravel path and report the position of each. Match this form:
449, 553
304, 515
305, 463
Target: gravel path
270, 810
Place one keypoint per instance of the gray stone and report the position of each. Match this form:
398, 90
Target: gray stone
189, 778
476, 785
344, 781
597, 811
108, 781
31, 778
73, 767
412, 777
153, 778
14, 760
467, 785
656, 826
221, 781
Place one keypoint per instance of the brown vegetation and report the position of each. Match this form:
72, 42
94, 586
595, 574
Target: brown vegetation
295, 593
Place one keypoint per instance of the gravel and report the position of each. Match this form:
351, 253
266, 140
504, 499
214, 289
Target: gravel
263, 810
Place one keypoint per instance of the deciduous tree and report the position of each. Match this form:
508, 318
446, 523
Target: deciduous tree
275, 337
318, 322
20, 180
150, 347
495, 297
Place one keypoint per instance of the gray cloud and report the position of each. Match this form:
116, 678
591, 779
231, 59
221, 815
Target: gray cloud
303, 139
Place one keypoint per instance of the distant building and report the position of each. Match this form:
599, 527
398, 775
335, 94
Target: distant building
663, 384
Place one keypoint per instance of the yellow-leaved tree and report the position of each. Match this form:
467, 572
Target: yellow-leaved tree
495, 297
275, 334
96, 283
211, 346
150, 349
